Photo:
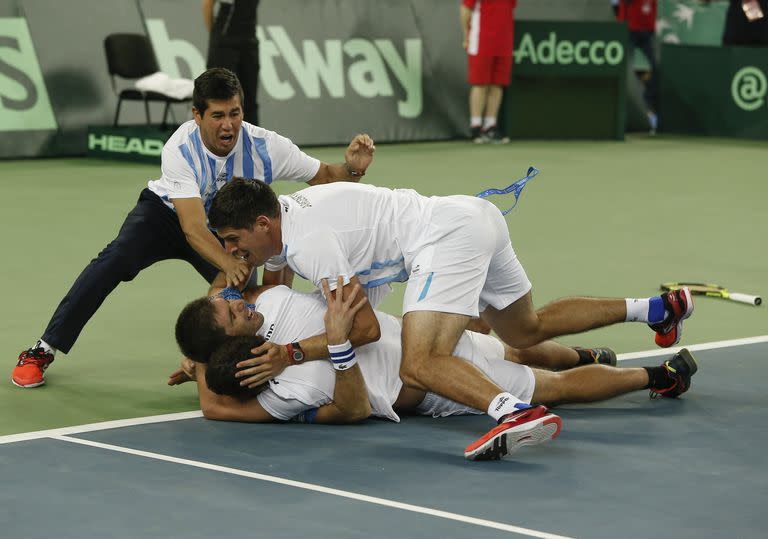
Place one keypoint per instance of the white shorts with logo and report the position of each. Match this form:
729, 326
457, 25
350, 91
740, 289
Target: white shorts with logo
463, 261
487, 353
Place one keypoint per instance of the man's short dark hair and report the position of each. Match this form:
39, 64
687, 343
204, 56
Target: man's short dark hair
197, 332
221, 369
217, 83
240, 202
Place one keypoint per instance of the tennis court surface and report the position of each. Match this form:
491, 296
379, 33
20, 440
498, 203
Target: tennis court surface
630, 467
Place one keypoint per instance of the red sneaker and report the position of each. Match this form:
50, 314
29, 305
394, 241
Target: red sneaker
30, 370
680, 306
525, 427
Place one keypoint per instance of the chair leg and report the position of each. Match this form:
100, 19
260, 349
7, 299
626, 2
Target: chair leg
164, 125
146, 110
117, 111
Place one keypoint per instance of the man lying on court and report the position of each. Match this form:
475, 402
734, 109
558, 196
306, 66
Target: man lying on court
226, 330
456, 256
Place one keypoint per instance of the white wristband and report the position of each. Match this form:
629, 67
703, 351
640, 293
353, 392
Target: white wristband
342, 356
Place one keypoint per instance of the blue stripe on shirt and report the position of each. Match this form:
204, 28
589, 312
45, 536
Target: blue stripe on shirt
381, 265
261, 149
247, 155
188, 156
400, 277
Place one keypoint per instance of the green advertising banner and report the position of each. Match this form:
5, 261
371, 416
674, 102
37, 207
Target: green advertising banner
569, 80
715, 91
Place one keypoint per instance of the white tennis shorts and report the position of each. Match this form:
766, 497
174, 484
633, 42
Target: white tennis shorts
463, 261
487, 353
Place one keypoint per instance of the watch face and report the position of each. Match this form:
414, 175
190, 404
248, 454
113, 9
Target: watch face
298, 355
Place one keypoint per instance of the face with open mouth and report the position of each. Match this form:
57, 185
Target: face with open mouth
235, 318
254, 245
220, 124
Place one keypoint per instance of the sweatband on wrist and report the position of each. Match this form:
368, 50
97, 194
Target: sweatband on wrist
342, 356
353, 172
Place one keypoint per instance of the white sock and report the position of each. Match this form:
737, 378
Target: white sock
637, 310
45, 346
503, 404
476, 121
648, 310
489, 121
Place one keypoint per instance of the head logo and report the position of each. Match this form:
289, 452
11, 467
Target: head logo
24, 103
749, 87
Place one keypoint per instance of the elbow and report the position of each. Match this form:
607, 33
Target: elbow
212, 412
358, 413
365, 335
374, 333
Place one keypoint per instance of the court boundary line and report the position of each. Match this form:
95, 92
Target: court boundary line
732, 343
315, 488
146, 420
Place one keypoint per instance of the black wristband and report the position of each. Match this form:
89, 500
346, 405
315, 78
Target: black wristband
352, 172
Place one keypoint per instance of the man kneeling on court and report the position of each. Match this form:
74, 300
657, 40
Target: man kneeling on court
323, 392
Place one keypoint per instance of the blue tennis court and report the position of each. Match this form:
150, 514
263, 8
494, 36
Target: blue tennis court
630, 467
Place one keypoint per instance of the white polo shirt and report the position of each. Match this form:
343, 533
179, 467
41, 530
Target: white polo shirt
190, 170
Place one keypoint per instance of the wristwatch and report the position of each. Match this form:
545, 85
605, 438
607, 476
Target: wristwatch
295, 353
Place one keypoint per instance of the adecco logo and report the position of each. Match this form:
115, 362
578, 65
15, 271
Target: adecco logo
24, 103
564, 52
749, 87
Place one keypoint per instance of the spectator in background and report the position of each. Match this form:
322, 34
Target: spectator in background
233, 45
640, 16
746, 23
488, 27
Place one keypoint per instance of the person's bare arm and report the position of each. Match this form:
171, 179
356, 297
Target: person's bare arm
283, 276
357, 158
208, 14
350, 396
466, 19
223, 408
271, 359
193, 222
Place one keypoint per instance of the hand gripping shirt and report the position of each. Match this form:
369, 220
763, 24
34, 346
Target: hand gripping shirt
291, 316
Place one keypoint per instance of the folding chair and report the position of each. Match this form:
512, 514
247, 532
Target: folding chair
130, 56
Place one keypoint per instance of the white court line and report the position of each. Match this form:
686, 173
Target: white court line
694, 347
318, 488
104, 425
91, 427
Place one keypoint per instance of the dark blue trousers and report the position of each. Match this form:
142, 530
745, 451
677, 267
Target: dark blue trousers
645, 42
150, 233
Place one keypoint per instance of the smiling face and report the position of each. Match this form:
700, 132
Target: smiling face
220, 124
235, 318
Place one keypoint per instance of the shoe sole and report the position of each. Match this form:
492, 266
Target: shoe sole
689, 361
508, 441
679, 327
38, 384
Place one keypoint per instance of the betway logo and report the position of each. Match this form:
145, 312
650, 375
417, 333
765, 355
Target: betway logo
357, 65
322, 65
24, 103
564, 52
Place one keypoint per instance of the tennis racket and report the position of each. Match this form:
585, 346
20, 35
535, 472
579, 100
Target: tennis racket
714, 291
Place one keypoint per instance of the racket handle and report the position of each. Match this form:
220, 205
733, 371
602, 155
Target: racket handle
745, 298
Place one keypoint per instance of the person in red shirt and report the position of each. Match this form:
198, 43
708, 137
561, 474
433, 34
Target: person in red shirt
489, 40
640, 16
